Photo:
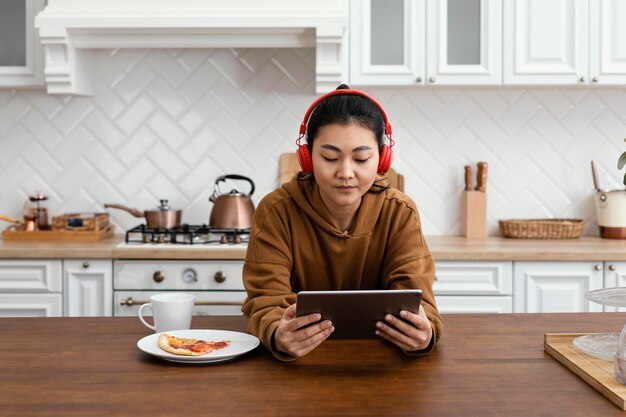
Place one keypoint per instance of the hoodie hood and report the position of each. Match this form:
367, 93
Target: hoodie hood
306, 195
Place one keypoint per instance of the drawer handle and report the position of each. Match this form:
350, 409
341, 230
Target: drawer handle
131, 302
85, 264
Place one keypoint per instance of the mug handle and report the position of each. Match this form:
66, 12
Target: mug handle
141, 315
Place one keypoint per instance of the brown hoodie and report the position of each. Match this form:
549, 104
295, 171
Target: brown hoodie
294, 245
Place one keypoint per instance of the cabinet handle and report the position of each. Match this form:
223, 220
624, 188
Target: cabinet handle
131, 302
418, 79
85, 264
612, 267
219, 276
595, 79
158, 276
432, 80
583, 80
598, 267
436, 278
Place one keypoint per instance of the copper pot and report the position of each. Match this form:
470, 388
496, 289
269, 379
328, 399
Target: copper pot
163, 217
28, 225
233, 210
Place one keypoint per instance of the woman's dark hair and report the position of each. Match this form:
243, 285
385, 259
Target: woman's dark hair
344, 109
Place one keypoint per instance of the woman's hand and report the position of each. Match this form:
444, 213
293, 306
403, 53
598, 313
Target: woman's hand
407, 337
297, 336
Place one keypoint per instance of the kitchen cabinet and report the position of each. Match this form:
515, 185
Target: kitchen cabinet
474, 287
88, 287
414, 42
550, 287
21, 53
614, 276
387, 42
464, 42
564, 42
31, 288
607, 42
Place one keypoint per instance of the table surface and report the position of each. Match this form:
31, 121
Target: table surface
485, 365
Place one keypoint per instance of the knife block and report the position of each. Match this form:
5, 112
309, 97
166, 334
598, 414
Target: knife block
474, 214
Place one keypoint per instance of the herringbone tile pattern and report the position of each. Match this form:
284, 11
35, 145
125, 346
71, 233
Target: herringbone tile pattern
165, 123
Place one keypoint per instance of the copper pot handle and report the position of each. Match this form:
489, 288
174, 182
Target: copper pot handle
132, 211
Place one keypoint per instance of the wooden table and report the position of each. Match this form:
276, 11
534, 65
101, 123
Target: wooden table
485, 365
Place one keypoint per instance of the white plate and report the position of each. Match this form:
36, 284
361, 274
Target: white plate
614, 297
599, 345
240, 343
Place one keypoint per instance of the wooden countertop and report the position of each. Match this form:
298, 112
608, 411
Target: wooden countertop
443, 248
485, 365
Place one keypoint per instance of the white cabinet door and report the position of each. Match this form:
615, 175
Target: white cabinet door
31, 305
31, 275
474, 287
464, 42
473, 278
551, 287
387, 42
474, 304
614, 276
607, 31
21, 54
546, 42
88, 287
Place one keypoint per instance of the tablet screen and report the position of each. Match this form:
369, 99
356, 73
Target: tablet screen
355, 313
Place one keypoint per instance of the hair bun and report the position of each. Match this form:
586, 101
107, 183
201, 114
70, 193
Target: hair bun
343, 87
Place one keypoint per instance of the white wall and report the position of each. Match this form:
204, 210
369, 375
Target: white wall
166, 123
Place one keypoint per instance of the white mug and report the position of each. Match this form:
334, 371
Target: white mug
170, 311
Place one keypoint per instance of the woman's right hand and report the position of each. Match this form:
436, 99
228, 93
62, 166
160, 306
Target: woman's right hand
297, 336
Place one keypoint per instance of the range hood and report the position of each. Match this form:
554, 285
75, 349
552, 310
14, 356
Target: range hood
70, 30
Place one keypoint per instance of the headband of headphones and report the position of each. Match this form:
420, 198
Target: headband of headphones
305, 121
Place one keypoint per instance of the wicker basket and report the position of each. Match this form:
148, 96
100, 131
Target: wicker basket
81, 221
542, 228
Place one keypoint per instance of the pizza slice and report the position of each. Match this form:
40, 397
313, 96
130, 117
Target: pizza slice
189, 347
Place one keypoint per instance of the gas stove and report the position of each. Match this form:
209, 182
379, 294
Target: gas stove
186, 234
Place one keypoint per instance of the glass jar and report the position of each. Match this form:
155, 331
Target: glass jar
35, 211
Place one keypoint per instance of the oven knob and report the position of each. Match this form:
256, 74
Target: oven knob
219, 276
190, 276
158, 276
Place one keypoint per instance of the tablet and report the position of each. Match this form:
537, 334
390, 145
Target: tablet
355, 313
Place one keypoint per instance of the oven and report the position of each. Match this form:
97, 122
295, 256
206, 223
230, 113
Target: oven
217, 284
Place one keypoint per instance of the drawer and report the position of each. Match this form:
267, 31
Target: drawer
450, 304
31, 275
473, 278
208, 303
31, 305
209, 275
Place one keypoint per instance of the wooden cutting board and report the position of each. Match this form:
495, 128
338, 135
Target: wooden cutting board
596, 372
58, 235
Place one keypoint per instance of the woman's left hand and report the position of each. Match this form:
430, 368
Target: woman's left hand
404, 335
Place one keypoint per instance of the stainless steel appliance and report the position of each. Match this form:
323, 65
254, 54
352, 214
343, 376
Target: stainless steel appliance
217, 284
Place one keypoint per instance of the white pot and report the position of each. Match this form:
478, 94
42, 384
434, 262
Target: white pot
611, 212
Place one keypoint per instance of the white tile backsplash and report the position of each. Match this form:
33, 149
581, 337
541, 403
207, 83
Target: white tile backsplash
165, 123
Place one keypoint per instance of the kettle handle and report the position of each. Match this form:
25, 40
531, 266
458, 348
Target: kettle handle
235, 177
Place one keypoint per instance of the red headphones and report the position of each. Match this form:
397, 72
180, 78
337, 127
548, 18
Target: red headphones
304, 156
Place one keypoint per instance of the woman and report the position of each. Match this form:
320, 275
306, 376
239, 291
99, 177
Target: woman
338, 227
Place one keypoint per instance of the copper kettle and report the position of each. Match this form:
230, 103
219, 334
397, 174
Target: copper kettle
233, 210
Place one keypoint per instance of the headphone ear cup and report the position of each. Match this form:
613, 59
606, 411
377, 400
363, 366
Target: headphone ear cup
386, 156
304, 158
